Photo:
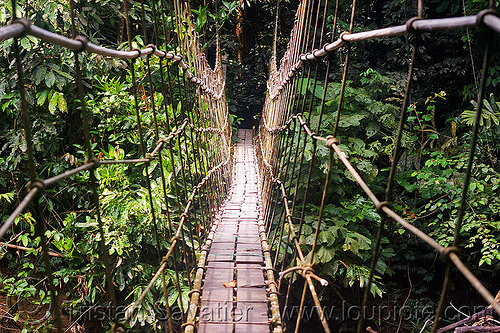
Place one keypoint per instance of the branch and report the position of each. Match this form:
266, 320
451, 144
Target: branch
17, 247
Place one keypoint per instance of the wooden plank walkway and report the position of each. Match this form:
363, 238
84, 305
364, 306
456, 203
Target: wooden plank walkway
236, 255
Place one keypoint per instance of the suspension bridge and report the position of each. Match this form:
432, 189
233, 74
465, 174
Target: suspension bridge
235, 225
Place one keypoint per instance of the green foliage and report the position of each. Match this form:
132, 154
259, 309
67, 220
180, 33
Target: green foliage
489, 116
367, 126
440, 183
345, 243
70, 216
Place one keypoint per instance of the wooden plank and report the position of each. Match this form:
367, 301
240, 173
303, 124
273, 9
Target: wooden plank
254, 312
251, 276
251, 328
216, 312
218, 294
248, 247
251, 294
224, 238
220, 264
236, 249
220, 257
215, 327
249, 257
248, 239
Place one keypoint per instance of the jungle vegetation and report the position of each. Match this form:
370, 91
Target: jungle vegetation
428, 191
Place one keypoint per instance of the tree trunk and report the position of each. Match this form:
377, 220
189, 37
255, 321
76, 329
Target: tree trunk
245, 33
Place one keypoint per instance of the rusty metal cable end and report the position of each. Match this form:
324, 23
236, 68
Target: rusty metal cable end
331, 140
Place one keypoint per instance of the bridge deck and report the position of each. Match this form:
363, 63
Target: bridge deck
235, 257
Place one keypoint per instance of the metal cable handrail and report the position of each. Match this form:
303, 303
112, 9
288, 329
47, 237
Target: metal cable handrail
212, 118
485, 19
22, 27
281, 109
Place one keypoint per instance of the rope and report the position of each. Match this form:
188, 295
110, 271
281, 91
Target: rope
276, 122
200, 135
213, 113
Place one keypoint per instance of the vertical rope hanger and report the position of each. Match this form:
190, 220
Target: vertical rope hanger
299, 172
34, 182
184, 97
92, 159
285, 102
143, 152
176, 255
311, 163
290, 221
392, 173
465, 187
301, 40
296, 37
311, 254
344, 75
169, 325
172, 158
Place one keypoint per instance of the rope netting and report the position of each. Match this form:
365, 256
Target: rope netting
190, 137
292, 120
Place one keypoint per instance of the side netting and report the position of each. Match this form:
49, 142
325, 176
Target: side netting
192, 142
292, 134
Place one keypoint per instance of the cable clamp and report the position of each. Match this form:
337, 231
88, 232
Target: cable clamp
409, 25
151, 46
84, 41
307, 270
163, 54
198, 291
482, 14
342, 35
379, 206
26, 25
36, 183
93, 160
187, 324
331, 140
445, 253
139, 52
271, 292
